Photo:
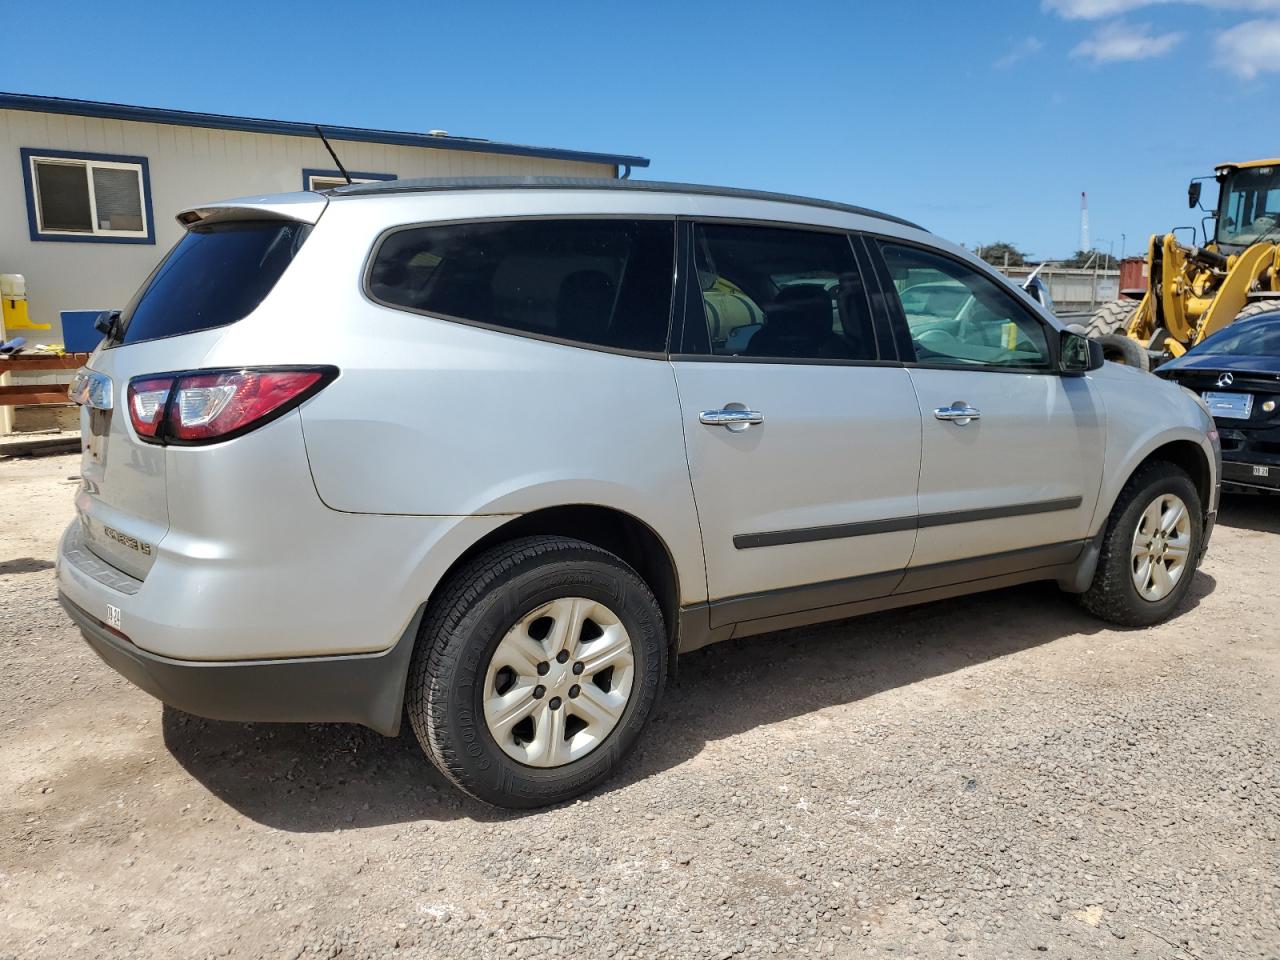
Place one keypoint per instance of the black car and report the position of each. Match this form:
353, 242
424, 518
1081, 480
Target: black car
1237, 372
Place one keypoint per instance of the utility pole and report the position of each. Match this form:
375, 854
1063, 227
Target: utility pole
1084, 221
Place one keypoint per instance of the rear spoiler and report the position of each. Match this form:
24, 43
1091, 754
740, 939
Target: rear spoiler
298, 207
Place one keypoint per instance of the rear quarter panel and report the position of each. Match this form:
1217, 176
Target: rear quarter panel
431, 417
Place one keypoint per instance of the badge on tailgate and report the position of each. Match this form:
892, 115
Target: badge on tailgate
133, 543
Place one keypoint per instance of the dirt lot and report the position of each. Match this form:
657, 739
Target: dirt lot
998, 776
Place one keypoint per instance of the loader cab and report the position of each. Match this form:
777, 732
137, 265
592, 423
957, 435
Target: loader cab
1248, 204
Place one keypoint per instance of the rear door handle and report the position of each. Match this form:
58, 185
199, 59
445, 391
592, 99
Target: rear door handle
732, 418
958, 413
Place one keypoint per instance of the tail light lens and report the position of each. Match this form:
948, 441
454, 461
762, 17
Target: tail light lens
206, 406
148, 398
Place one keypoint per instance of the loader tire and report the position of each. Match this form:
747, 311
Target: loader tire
1257, 307
1112, 317
1118, 348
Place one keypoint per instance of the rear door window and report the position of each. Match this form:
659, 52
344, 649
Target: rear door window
217, 274
779, 293
605, 283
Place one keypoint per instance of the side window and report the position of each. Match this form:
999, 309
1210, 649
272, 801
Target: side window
780, 293
958, 317
601, 282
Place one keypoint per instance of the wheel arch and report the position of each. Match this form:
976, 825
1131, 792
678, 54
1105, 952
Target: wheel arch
1190, 456
623, 534
1183, 452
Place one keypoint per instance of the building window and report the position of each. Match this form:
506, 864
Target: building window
87, 196
328, 179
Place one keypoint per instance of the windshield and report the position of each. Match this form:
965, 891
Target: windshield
1250, 206
1251, 338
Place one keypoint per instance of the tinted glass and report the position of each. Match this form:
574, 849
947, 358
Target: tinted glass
215, 275
600, 282
1252, 338
780, 293
63, 193
1250, 208
958, 317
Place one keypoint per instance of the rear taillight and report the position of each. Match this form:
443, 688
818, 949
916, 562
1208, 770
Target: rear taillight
205, 406
148, 397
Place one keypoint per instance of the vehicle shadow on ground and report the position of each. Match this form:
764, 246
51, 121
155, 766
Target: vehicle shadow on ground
319, 777
1245, 511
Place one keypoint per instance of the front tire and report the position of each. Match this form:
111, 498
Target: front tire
1149, 550
536, 669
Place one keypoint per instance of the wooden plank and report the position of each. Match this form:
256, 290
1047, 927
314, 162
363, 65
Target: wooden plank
21, 364
33, 394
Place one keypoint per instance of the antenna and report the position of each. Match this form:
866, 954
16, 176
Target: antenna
328, 146
1084, 219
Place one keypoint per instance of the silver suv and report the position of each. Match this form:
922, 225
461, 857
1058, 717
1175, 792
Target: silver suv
493, 452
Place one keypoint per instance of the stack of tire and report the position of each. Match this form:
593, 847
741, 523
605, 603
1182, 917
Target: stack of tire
1109, 323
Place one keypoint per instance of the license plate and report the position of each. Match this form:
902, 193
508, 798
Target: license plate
1262, 471
1236, 406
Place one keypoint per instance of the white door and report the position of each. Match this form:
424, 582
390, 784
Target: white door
1012, 450
804, 452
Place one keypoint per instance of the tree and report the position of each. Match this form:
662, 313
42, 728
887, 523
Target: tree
1000, 254
1085, 258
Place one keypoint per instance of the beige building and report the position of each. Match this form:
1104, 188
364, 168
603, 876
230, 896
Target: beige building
89, 191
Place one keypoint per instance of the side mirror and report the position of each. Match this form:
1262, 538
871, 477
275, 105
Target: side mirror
1078, 354
1193, 193
106, 322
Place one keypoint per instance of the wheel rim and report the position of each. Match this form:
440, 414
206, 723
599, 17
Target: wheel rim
1161, 547
559, 682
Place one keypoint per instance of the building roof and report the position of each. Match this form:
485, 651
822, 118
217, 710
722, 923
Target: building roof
293, 128
447, 184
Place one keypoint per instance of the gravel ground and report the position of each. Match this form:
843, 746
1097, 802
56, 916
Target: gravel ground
998, 776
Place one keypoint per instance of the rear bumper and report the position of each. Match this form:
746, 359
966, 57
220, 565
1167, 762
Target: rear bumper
1248, 473
356, 688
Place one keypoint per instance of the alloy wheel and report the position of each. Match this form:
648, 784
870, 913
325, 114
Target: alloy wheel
1161, 547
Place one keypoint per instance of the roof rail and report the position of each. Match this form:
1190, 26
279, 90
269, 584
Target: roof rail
453, 184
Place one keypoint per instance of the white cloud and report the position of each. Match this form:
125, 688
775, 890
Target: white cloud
1020, 51
1099, 9
1118, 41
1249, 49
1093, 9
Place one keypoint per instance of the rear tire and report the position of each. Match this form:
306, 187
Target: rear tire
1112, 318
1128, 589
488, 653
1257, 307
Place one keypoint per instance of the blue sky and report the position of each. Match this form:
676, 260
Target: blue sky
982, 121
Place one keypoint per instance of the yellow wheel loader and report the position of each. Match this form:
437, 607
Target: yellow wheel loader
1193, 291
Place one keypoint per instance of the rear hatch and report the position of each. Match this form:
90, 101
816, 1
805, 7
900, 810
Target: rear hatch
227, 262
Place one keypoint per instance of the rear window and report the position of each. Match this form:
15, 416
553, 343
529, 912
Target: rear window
215, 275
601, 282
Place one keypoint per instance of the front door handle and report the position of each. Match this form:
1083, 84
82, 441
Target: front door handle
734, 418
958, 413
